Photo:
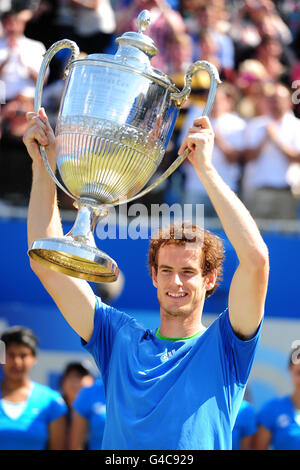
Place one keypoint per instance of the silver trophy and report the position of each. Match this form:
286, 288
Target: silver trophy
116, 117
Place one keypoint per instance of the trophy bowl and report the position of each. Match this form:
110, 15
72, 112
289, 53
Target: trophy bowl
115, 120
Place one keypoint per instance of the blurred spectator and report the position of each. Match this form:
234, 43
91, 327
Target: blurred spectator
256, 18
251, 75
50, 22
229, 130
272, 142
206, 21
20, 57
279, 418
88, 418
15, 166
270, 54
75, 376
94, 24
245, 427
63, 21
32, 416
5, 5
167, 29
40, 24
209, 48
290, 11
222, 13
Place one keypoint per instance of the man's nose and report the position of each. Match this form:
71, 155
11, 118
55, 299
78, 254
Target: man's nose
177, 279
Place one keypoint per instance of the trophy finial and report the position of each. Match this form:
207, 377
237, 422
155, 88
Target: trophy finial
143, 20
138, 40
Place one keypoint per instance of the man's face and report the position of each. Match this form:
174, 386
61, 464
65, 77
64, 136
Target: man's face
181, 287
14, 25
206, 16
279, 101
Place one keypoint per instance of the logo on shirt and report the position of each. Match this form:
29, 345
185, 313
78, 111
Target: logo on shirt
283, 420
167, 355
99, 408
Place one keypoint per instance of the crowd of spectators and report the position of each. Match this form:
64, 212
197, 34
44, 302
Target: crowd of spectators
253, 43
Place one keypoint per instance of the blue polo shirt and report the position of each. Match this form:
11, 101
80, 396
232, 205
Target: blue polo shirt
245, 424
30, 431
280, 417
90, 403
169, 394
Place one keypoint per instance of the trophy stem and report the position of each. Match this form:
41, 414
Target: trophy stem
76, 254
87, 218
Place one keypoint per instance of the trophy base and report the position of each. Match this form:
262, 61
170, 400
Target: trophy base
75, 259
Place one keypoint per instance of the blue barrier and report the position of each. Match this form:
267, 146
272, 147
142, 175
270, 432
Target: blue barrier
24, 301
20, 285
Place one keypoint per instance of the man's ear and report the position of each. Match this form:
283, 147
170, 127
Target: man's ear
154, 276
210, 279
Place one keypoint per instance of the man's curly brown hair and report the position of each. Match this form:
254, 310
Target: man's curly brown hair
211, 247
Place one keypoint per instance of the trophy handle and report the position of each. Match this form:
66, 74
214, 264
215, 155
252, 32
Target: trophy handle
183, 95
57, 46
180, 99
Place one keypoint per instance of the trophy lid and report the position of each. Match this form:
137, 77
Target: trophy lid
139, 40
135, 51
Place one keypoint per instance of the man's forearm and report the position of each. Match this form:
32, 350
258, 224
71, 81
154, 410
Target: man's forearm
292, 155
252, 153
43, 213
236, 220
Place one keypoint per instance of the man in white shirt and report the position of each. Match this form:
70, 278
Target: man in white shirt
229, 130
272, 143
20, 57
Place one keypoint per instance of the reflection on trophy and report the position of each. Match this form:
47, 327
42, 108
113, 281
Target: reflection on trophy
115, 121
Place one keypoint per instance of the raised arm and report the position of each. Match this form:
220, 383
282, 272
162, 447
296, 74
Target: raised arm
74, 297
249, 284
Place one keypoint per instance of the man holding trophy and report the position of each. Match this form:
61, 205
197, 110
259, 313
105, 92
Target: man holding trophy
179, 387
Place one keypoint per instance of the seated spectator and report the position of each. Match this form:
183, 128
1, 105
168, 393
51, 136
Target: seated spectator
32, 416
167, 29
229, 129
272, 142
89, 415
20, 57
279, 418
